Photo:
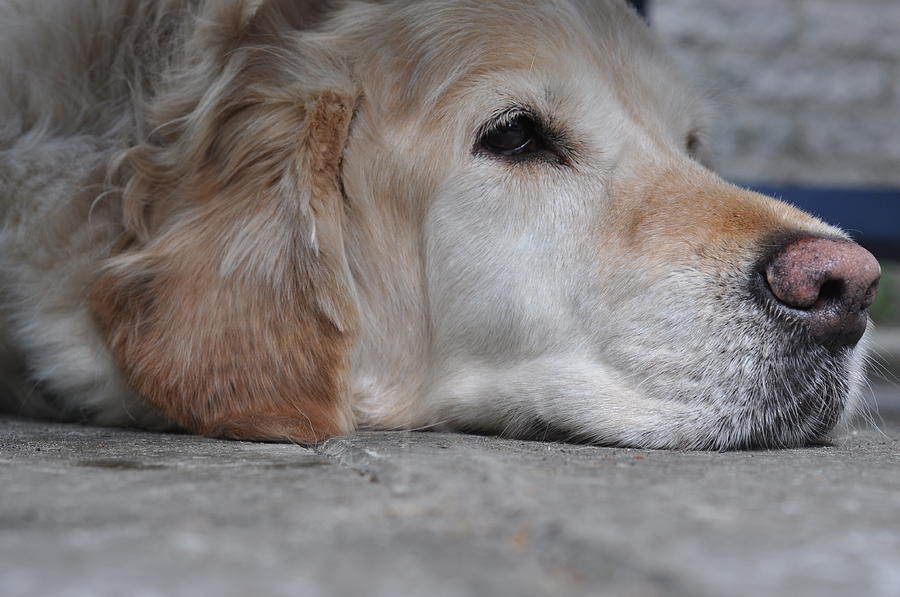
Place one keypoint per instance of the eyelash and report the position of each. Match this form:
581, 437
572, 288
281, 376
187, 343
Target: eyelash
536, 144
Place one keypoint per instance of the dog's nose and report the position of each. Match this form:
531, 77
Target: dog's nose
829, 284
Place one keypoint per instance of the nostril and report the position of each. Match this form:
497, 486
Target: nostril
832, 291
869, 296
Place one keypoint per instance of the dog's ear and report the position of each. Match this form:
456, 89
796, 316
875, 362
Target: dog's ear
231, 307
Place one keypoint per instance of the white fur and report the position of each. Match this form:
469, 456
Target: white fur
492, 297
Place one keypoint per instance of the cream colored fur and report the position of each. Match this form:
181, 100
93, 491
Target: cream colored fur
601, 300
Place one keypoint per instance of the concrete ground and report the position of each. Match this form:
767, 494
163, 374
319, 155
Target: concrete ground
106, 512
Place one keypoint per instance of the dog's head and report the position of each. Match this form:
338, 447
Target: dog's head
485, 215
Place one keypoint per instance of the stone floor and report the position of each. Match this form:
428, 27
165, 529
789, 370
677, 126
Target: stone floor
105, 512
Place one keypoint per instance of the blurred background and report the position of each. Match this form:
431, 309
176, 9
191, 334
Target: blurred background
807, 103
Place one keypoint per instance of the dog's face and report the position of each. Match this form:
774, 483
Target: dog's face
529, 245
584, 274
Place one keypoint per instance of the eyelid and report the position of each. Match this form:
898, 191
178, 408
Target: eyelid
506, 116
552, 139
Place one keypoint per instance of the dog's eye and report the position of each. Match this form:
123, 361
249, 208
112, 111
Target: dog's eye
512, 137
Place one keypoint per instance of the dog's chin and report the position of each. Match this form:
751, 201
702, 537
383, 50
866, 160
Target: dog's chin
797, 407
794, 401
791, 424
777, 422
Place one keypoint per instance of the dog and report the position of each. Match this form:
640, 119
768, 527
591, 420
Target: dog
284, 220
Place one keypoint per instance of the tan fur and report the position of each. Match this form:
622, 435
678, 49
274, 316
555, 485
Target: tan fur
227, 336
235, 353
685, 214
277, 220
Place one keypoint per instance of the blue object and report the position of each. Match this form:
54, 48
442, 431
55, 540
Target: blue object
871, 216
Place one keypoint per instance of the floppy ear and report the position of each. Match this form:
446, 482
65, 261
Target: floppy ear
231, 307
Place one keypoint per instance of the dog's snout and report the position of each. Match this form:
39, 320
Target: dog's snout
829, 284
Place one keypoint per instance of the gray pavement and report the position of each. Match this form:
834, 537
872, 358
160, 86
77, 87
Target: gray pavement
96, 512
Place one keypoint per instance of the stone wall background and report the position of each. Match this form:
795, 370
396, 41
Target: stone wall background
806, 91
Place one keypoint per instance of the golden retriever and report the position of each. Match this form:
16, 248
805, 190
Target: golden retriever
286, 219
